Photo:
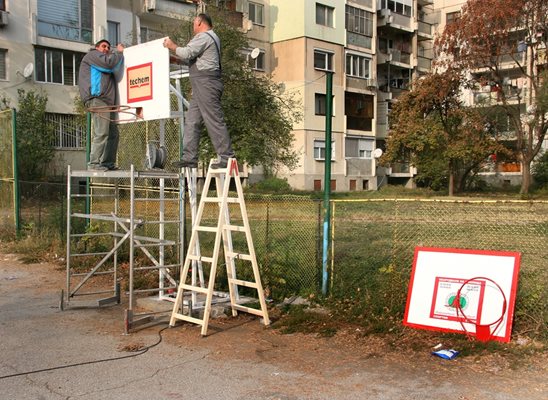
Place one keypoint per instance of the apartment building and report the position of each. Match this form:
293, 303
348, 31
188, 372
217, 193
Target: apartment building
43, 41
515, 85
373, 48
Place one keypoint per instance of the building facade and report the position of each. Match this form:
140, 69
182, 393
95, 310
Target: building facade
374, 48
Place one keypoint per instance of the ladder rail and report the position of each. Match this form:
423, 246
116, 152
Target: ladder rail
223, 231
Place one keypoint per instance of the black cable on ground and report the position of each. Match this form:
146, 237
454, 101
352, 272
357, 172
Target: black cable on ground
141, 352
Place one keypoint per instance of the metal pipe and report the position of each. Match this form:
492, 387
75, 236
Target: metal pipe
327, 176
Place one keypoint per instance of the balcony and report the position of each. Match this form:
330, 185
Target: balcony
492, 96
402, 169
355, 39
394, 56
394, 21
65, 32
424, 64
424, 31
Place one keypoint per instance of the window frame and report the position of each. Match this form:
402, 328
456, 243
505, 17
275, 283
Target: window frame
113, 41
319, 144
4, 64
256, 6
254, 62
364, 153
55, 24
362, 59
328, 60
352, 13
50, 56
327, 15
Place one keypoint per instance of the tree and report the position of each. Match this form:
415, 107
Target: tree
34, 135
431, 127
488, 35
259, 117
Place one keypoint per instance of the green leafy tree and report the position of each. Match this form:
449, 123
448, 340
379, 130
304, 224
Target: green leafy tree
431, 127
259, 117
488, 37
34, 135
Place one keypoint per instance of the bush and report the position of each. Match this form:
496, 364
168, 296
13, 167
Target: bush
540, 171
272, 185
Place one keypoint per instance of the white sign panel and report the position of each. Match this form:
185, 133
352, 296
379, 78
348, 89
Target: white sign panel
459, 290
144, 87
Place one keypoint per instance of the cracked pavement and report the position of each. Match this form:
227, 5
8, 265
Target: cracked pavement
239, 359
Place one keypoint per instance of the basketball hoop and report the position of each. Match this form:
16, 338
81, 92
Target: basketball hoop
137, 113
483, 331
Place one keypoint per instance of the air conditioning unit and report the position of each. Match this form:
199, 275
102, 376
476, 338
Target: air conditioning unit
3, 18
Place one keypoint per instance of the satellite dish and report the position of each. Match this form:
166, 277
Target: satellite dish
377, 153
28, 70
255, 53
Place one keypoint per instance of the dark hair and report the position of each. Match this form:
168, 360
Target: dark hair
102, 41
206, 18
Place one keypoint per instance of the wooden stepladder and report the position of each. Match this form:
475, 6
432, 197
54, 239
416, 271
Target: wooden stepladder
224, 231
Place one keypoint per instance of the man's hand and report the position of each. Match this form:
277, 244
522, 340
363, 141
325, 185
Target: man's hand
120, 47
170, 44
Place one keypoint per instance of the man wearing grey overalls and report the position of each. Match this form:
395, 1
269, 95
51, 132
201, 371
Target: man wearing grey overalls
203, 55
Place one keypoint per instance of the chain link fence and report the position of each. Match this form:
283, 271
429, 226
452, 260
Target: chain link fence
8, 203
374, 243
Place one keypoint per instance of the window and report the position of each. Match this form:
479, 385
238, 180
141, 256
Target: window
113, 36
3, 57
359, 21
320, 104
319, 149
258, 62
358, 109
324, 15
2, 5
146, 34
357, 147
57, 66
323, 60
70, 133
66, 19
256, 13
357, 66
404, 7
452, 17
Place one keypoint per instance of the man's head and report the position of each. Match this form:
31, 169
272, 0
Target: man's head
202, 23
103, 46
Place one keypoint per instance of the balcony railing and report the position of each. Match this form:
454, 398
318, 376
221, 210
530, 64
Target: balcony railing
425, 28
424, 63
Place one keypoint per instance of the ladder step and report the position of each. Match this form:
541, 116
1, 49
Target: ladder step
235, 228
239, 256
192, 288
200, 258
248, 310
239, 282
203, 228
219, 199
188, 318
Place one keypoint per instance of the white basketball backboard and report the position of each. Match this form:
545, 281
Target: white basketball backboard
144, 86
483, 282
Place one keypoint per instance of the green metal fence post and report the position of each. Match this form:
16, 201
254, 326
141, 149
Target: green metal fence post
16, 199
327, 177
